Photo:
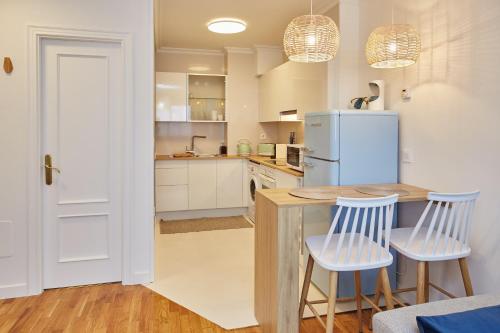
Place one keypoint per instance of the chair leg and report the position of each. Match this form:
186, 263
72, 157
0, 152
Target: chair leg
426, 287
332, 298
386, 285
305, 287
464, 268
421, 282
378, 293
357, 281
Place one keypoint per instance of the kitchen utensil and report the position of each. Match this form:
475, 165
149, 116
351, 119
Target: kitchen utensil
244, 148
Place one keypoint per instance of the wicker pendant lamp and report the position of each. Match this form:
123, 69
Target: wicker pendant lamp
393, 46
311, 38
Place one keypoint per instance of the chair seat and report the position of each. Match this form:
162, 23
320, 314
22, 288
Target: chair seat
327, 261
454, 249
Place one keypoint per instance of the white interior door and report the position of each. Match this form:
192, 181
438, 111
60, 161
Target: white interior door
83, 118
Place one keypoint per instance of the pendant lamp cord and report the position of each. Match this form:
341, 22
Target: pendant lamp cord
392, 12
311, 2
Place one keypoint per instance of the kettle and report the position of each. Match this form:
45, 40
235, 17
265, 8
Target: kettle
244, 148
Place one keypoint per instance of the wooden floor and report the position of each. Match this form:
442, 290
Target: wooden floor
117, 308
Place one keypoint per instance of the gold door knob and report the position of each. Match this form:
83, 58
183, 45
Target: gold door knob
48, 169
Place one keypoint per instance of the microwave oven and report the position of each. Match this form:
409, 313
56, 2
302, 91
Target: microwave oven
295, 157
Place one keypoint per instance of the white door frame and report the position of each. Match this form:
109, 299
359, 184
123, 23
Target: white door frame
36, 35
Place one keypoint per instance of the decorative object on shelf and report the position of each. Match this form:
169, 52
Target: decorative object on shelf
311, 38
376, 101
7, 65
393, 46
244, 148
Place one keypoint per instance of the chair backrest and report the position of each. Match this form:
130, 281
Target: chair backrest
449, 226
372, 217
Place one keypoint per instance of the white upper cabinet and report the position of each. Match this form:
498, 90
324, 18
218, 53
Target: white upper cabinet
171, 96
292, 86
202, 184
230, 183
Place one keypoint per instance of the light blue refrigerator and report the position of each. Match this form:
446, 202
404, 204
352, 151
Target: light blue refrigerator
347, 148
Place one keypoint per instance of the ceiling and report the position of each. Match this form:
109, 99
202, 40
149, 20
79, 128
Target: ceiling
182, 23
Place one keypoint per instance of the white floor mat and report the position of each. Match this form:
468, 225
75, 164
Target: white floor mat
212, 274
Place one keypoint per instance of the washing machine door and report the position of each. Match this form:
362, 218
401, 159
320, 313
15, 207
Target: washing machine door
253, 187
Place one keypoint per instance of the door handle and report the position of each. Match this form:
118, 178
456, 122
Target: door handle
307, 165
48, 169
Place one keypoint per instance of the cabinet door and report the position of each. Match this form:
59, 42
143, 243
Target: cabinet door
229, 183
268, 106
202, 184
171, 96
171, 198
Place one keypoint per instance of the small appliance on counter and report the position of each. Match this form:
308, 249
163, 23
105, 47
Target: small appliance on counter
281, 153
295, 157
244, 148
266, 149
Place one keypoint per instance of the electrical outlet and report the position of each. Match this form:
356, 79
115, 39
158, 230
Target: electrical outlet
407, 155
263, 136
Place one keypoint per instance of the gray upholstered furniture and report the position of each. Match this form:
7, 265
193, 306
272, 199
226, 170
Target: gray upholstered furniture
403, 320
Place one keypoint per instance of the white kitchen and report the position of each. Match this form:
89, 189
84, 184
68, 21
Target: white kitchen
256, 166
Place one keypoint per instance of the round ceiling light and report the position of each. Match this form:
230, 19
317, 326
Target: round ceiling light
227, 25
393, 46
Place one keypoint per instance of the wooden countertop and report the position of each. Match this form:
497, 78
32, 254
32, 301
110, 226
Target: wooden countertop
280, 196
262, 160
255, 158
216, 157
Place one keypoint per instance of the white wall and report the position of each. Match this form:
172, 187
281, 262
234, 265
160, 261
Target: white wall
242, 104
128, 16
451, 123
190, 61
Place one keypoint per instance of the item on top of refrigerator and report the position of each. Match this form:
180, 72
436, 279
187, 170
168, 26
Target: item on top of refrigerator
291, 138
377, 88
222, 149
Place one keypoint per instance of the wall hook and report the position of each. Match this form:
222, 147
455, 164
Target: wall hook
7, 65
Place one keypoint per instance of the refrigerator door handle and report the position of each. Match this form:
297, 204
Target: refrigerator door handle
307, 165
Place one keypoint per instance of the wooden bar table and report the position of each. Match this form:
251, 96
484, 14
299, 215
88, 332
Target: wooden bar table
277, 248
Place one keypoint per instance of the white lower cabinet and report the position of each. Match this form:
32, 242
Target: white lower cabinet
171, 198
199, 184
229, 183
202, 184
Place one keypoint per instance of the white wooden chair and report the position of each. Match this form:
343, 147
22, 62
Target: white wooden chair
438, 236
358, 246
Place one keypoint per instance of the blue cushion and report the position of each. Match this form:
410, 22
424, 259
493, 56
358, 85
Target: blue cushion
482, 320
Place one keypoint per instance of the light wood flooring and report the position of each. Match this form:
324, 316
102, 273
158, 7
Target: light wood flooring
118, 308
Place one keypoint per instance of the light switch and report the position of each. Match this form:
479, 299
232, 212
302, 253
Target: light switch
407, 155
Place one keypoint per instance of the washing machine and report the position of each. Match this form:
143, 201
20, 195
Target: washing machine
254, 185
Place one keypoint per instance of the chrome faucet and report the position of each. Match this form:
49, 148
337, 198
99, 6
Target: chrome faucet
192, 150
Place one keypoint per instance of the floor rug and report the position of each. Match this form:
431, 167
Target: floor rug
204, 224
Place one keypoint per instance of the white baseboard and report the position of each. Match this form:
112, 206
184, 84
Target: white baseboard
14, 290
143, 277
197, 214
